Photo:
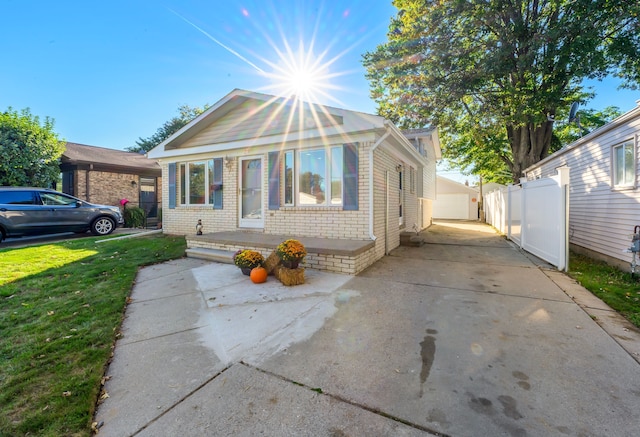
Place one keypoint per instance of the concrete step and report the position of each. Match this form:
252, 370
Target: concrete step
221, 256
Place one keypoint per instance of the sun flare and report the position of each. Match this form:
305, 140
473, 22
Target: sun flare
302, 75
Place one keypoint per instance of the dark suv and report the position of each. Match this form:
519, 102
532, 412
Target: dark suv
38, 211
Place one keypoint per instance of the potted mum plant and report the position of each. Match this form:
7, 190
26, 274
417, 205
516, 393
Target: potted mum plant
291, 253
247, 260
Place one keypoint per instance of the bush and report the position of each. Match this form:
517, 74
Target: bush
134, 217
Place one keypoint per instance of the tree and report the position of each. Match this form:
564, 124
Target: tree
493, 74
566, 133
484, 159
30, 150
170, 127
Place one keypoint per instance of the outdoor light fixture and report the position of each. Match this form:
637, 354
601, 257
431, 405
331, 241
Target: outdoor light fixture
134, 184
228, 162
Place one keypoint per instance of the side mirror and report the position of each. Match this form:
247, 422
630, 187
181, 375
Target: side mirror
78, 204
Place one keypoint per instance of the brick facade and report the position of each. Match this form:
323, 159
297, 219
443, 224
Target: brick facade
325, 222
107, 188
249, 125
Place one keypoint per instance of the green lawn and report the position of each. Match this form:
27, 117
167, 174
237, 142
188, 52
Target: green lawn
614, 287
62, 306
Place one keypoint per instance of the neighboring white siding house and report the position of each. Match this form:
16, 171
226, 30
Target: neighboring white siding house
604, 195
455, 200
259, 163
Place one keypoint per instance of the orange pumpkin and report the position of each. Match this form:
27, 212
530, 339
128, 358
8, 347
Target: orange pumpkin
258, 275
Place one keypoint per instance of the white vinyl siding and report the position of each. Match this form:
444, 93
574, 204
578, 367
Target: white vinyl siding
602, 216
251, 117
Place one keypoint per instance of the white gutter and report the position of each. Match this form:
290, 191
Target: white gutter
374, 147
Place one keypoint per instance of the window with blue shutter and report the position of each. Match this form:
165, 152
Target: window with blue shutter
172, 185
216, 186
274, 180
350, 177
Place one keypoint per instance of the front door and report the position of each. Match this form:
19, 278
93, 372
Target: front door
148, 199
250, 202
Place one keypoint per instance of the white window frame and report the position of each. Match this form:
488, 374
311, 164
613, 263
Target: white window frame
184, 177
328, 155
615, 164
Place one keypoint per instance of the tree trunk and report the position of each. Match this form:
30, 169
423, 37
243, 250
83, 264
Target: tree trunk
529, 144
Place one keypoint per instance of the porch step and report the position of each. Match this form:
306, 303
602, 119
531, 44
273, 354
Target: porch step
218, 255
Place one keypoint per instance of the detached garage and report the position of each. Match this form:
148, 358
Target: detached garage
455, 200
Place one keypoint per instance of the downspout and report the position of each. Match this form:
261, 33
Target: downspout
371, 204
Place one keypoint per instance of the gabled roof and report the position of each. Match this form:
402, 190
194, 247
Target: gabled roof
245, 119
429, 135
454, 185
83, 155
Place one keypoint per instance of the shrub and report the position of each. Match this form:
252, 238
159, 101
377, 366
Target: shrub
134, 217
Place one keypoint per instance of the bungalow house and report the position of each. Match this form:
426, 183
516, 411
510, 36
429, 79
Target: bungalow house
106, 176
255, 169
604, 195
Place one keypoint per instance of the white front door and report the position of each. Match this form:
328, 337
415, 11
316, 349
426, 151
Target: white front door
251, 202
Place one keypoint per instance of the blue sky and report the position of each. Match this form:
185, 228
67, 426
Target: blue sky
111, 72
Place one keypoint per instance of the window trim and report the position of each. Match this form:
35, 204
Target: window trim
614, 164
211, 167
328, 151
350, 192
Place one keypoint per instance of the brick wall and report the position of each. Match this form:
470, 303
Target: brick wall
108, 188
323, 222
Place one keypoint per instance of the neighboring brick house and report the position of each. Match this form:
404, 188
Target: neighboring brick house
258, 163
106, 176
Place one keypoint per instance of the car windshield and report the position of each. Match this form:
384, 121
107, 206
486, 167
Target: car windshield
57, 199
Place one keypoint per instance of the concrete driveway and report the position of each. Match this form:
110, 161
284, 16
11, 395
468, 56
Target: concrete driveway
464, 336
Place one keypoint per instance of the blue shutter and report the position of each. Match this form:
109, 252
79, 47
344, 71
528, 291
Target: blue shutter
172, 185
217, 183
350, 177
274, 180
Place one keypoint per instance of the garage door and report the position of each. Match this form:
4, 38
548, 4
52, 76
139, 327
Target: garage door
451, 206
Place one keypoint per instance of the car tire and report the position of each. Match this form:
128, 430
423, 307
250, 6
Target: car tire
103, 226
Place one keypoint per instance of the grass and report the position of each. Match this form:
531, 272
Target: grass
61, 308
614, 287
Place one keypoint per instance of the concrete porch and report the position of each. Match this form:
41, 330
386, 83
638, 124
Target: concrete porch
332, 255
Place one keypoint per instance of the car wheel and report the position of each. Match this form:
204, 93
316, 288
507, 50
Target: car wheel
103, 226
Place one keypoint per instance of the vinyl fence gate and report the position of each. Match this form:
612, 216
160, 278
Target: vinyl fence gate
534, 215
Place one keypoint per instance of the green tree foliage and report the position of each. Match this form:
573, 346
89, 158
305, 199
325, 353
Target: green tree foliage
30, 150
186, 114
487, 161
491, 73
566, 133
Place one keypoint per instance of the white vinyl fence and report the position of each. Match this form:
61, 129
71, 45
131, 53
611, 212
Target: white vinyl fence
534, 215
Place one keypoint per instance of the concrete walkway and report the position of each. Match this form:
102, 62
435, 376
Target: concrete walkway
464, 336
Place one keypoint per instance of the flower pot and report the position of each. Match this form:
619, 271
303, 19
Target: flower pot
291, 264
246, 271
